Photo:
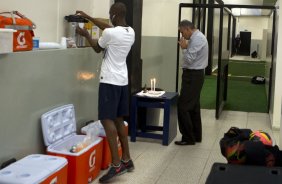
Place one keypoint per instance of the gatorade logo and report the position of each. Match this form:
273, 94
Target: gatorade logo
54, 181
21, 39
92, 159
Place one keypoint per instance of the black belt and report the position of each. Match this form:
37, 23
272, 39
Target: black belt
187, 69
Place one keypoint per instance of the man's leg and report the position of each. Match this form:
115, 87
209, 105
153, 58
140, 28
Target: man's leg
196, 113
126, 160
123, 138
116, 168
111, 133
185, 122
189, 106
184, 107
108, 104
197, 123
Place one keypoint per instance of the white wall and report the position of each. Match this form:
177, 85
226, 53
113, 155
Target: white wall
277, 92
256, 25
275, 110
253, 24
49, 15
160, 17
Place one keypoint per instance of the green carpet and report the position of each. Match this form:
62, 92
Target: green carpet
242, 95
246, 68
208, 94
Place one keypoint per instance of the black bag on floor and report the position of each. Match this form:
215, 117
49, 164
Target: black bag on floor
232, 145
254, 54
237, 148
258, 80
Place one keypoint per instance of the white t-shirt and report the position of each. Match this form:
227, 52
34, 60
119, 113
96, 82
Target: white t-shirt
117, 42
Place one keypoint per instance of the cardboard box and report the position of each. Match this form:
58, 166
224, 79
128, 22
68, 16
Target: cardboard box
94, 30
34, 169
59, 131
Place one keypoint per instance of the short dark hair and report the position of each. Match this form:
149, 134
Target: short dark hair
119, 9
186, 23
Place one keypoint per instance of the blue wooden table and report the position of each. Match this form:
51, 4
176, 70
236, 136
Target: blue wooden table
168, 102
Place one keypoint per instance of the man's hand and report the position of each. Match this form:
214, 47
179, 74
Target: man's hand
82, 14
183, 43
82, 32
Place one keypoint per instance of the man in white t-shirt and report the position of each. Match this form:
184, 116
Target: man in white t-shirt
116, 43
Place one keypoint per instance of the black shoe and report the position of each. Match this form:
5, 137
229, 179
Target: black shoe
113, 171
128, 165
183, 143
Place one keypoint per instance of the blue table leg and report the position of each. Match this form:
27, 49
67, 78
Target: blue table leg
166, 123
133, 118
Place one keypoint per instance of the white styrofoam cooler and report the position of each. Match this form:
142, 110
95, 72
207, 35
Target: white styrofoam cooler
35, 169
59, 131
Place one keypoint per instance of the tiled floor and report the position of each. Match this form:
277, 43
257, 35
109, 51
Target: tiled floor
157, 164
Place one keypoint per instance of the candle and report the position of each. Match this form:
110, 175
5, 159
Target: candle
151, 84
154, 84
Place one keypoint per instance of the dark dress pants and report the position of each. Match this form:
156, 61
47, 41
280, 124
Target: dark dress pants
188, 106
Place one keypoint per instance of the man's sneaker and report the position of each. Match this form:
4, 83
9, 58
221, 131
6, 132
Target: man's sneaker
128, 165
113, 171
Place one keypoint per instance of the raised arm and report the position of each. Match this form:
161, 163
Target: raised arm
93, 42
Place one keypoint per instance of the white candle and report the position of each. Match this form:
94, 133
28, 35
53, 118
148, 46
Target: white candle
151, 84
154, 84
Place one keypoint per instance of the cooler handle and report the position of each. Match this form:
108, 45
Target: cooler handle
13, 13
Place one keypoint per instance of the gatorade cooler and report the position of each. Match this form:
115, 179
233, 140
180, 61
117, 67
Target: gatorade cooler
34, 169
59, 131
106, 155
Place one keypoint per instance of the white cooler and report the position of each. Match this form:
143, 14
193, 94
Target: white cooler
59, 131
34, 169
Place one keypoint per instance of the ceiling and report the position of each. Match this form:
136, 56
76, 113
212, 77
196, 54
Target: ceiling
251, 12
250, 2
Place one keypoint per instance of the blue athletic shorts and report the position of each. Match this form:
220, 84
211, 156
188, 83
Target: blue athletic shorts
113, 101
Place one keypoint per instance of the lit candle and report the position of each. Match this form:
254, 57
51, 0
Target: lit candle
154, 84
151, 84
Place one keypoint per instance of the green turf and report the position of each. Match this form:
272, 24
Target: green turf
243, 68
245, 96
208, 94
242, 94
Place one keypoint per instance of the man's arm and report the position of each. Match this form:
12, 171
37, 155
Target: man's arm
187, 55
93, 42
98, 22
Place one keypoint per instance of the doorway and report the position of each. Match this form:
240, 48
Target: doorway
245, 43
220, 41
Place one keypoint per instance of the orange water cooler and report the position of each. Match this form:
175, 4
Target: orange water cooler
59, 131
99, 130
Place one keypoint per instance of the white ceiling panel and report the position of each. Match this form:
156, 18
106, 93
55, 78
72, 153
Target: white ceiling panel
250, 12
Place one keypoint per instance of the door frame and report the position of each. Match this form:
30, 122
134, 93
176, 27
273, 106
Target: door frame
220, 105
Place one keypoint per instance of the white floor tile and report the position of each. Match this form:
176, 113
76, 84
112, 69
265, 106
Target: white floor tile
158, 164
